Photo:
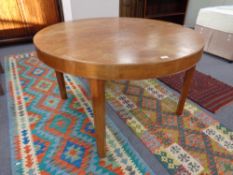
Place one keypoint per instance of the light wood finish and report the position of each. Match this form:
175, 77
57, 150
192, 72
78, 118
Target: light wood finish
117, 48
98, 102
185, 89
61, 84
23, 18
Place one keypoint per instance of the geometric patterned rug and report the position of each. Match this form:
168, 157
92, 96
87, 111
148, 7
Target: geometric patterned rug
193, 143
205, 90
54, 136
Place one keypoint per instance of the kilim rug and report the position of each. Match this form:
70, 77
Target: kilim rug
208, 92
191, 144
54, 136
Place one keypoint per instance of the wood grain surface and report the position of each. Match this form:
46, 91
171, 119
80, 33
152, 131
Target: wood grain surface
23, 18
98, 103
119, 48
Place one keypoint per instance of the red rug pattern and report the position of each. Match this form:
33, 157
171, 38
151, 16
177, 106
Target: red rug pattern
206, 91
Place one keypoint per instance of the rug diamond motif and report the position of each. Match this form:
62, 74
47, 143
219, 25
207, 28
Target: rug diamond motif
60, 123
73, 154
63, 139
163, 128
44, 85
51, 102
55, 136
38, 71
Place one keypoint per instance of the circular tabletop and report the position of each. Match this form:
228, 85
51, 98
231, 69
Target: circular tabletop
118, 48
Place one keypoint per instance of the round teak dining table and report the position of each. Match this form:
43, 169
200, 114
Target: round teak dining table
103, 49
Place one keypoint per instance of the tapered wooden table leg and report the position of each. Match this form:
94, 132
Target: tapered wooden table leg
1, 71
1, 90
61, 84
98, 103
185, 89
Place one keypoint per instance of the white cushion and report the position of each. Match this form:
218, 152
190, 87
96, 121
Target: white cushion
218, 18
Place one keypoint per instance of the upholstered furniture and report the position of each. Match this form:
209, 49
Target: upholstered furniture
215, 24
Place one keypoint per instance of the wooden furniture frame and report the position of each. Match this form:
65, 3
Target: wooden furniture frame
168, 10
120, 48
24, 33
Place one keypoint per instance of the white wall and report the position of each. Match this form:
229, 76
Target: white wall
67, 10
78, 9
94, 8
195, 5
